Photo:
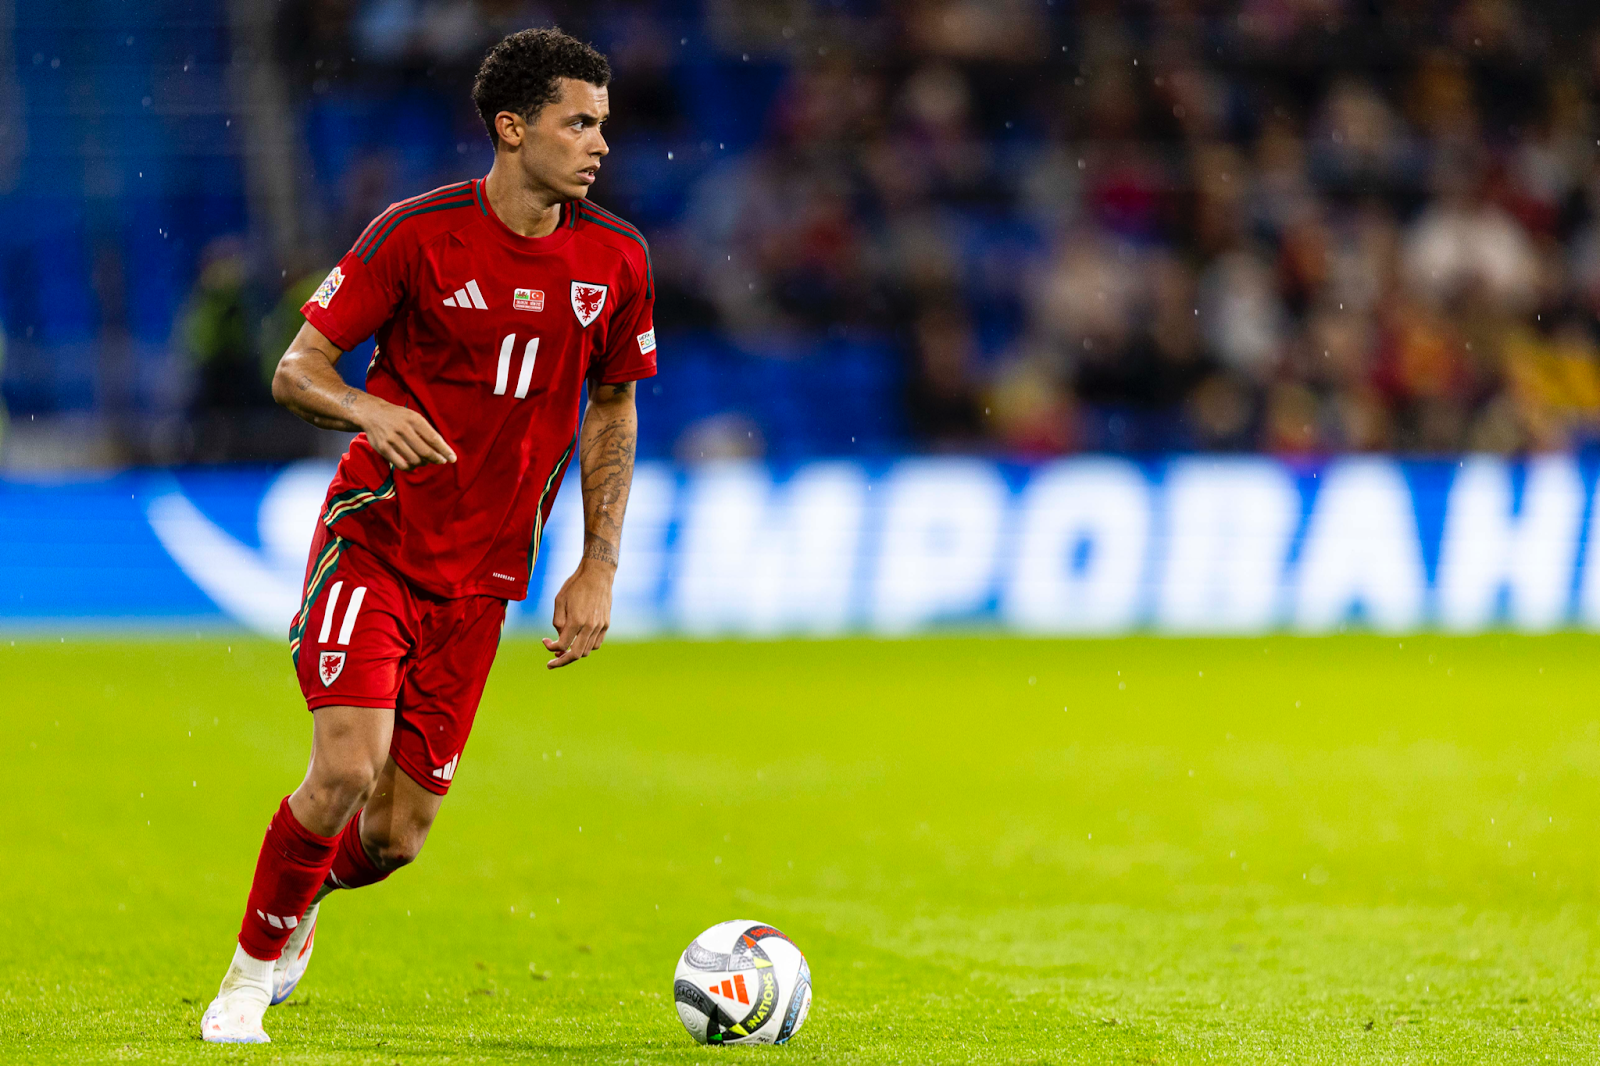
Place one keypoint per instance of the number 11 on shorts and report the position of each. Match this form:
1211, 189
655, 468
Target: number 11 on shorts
350, 613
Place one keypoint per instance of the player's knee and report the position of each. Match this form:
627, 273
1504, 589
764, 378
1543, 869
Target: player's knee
347, 787
399, 849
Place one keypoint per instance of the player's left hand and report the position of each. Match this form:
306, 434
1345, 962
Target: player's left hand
582, 614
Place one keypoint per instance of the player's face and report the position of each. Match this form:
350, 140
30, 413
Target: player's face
563, 146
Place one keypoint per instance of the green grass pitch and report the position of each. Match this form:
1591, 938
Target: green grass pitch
1358, 849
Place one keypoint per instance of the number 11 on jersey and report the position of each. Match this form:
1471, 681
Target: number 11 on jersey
525, 375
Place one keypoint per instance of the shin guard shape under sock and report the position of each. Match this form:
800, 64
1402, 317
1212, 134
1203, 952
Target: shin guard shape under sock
293, 864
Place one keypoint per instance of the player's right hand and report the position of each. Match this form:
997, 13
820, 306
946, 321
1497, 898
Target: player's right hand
404, 437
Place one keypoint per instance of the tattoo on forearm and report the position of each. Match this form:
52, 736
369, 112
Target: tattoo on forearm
599, 550
605, 454
348, 400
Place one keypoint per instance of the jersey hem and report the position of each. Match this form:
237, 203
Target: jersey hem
475, 587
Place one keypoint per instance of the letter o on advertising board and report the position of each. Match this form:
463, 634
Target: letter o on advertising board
1081, 545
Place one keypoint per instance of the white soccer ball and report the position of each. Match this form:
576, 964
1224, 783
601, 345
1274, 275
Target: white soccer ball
742, 983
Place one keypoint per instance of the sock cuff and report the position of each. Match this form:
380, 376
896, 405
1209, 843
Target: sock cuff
351, 847
352, 866
295, 841
247, 962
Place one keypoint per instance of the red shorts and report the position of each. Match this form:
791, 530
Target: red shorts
367, 637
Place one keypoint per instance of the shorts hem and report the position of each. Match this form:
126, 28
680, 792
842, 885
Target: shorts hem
314, 703
421, 777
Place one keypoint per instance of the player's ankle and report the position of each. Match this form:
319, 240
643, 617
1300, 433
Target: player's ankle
248, 971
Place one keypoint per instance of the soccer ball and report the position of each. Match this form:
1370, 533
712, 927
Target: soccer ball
742, 983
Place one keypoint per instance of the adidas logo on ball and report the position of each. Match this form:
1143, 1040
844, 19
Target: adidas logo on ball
742, 982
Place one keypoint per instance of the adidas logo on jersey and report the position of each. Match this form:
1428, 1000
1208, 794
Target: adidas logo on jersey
467, 296
448, 770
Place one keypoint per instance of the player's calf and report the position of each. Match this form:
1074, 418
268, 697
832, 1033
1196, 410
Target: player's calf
354, 865
394, 825
394, 850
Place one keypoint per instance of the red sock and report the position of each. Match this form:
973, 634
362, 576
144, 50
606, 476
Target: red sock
352, 867
293, 863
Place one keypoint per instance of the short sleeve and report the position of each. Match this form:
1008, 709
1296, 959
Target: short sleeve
631, 349
362, 292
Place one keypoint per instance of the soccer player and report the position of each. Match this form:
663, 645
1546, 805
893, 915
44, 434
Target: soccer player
493, 302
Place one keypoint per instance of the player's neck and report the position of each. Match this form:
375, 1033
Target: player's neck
531, 212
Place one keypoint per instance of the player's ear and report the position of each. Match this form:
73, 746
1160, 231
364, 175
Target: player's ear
511, 128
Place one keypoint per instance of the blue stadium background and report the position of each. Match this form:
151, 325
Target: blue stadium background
1028, 232
131, 160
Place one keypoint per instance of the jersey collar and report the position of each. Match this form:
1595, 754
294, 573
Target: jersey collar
512, 239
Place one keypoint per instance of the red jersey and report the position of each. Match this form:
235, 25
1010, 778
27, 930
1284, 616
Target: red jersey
490, 336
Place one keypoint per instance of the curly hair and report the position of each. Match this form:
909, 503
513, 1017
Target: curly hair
520, 73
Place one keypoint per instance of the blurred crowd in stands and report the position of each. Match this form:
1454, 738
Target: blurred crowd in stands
1294, 226
1279, 225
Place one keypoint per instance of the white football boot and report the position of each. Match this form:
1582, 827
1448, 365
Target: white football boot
291, 965
234, 1017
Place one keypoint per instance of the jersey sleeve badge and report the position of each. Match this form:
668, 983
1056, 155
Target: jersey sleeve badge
647, 342
587, 301
329, 286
